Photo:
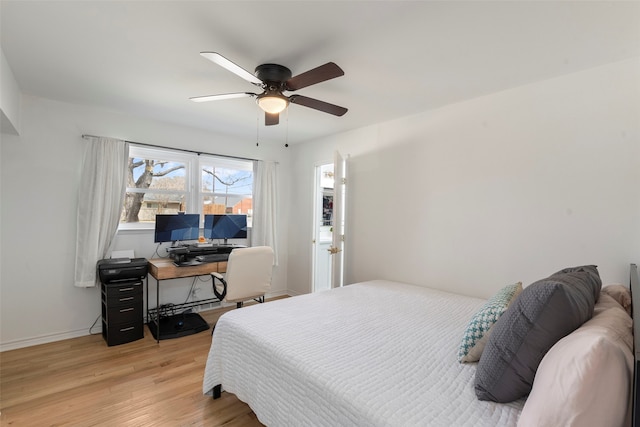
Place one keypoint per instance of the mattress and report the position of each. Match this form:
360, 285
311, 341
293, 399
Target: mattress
378, 353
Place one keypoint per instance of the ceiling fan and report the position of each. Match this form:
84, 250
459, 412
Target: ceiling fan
275, 79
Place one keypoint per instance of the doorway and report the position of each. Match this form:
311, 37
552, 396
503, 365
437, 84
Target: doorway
323, 227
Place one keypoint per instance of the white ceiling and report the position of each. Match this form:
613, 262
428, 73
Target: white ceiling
399, 58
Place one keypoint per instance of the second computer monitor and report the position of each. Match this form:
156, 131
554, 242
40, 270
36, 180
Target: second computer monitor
225, 227
176, 227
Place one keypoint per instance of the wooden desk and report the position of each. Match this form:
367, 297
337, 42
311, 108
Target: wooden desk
163, 269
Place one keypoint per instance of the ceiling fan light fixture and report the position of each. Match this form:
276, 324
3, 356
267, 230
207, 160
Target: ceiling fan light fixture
273, 103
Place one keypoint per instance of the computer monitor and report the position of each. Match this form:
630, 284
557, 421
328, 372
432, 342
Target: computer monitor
225, 227
177, 227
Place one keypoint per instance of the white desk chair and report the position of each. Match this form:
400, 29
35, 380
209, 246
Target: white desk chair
248, 275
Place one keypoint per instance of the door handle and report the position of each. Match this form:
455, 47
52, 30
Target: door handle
332, 250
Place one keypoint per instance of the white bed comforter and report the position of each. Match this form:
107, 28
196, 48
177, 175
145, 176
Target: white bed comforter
377, 353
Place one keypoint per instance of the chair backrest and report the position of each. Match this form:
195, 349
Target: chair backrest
249, 273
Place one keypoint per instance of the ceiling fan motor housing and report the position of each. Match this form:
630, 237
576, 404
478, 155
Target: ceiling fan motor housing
273, 74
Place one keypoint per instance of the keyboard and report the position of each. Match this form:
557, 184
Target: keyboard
188, 263
212, 257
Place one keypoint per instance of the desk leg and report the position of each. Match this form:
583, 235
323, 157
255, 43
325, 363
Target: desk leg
157, 311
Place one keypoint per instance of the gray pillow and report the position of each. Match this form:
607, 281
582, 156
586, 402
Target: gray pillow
541, 315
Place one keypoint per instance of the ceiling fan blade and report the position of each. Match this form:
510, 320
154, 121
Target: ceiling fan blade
318, 105
231, 66
319, 74
222, 96
271, 119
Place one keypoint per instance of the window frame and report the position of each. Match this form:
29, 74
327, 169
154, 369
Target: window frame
193, 192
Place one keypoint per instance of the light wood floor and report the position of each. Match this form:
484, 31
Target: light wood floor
83, 382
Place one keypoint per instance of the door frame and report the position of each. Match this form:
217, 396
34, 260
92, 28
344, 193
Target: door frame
318, 194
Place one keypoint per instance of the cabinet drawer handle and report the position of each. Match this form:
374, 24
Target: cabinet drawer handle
126, 299
127, 329
126, 309
126, 289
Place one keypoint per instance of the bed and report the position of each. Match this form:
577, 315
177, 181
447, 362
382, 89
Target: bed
383, 353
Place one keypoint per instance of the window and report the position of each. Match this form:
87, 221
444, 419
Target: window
169, 181
226, 186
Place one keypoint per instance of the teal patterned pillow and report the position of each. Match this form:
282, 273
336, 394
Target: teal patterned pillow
477, 331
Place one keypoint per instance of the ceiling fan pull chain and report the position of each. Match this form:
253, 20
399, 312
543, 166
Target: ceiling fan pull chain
286, 135
257, 129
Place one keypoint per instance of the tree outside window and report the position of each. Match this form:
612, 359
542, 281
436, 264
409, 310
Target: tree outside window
159, 182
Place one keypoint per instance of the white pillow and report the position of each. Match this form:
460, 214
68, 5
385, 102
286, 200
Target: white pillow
586, 378
619, 293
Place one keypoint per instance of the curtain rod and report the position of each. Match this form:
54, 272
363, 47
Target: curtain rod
85, 136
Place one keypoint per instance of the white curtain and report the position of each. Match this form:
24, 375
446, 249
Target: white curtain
264, 230
100, 198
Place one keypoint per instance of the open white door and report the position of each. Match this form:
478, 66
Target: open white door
338, 235
322, 227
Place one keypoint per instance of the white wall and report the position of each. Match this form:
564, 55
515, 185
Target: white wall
509, 187
40, 172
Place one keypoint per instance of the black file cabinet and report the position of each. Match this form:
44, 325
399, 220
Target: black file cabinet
122, 314
122, 300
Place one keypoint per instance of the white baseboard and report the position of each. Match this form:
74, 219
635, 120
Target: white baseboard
44, 339
277, 294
